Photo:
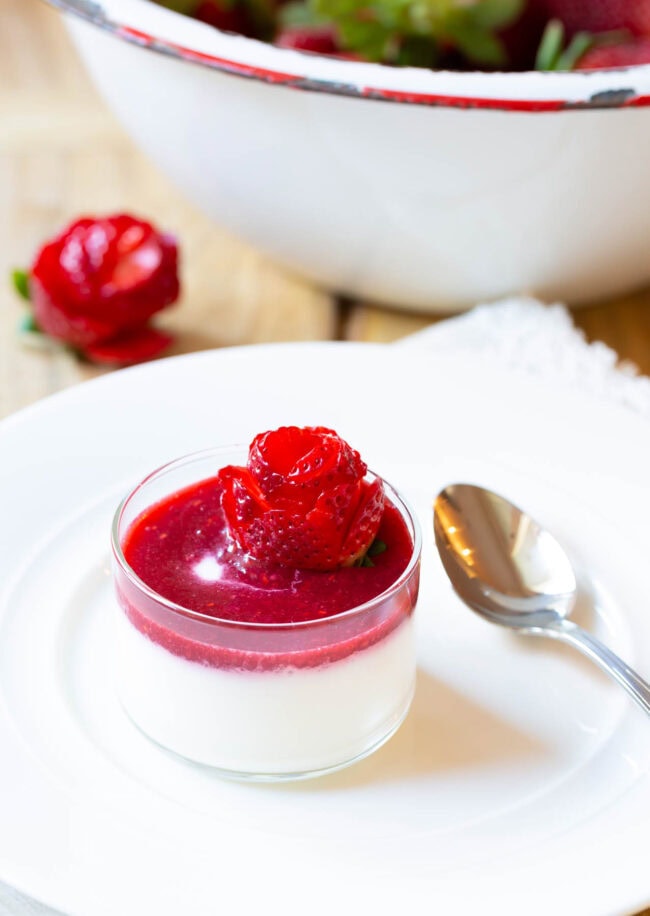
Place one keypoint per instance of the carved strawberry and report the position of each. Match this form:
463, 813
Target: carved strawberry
97, 284
303, 500
291, 461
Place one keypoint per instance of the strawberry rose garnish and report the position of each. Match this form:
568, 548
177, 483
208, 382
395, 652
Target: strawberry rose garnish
97, 284
302, 500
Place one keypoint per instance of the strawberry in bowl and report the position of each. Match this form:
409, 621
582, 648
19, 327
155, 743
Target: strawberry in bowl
265, 607
431, 186
456, 35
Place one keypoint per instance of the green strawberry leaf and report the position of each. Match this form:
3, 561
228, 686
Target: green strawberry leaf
419, 32
579, 46
33, 338
550, 47
370, 39
20, 281
495, 14
27, 325
552, 55
417, 51
376, 548
479, 46
300, 14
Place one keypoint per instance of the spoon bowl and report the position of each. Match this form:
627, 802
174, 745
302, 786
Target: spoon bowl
511, 571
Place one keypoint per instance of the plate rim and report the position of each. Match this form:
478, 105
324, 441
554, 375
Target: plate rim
33, 412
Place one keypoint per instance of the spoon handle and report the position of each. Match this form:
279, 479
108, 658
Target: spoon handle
611, 664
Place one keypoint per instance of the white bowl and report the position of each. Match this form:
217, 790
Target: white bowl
428, 190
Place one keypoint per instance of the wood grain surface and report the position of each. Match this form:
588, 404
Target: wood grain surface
62, 154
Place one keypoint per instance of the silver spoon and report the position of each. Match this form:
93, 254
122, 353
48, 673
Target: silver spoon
508, 569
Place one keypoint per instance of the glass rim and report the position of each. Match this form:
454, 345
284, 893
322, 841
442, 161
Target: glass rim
398, 501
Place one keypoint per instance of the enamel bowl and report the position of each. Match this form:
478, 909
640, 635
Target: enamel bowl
420, 189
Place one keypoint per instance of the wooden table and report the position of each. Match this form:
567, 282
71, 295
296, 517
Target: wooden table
62, 153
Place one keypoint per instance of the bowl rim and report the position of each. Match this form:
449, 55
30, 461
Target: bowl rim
161, 30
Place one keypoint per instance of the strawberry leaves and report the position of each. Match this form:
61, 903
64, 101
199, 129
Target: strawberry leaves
376, 548
20, 282
552, 53
613, 48
416, 34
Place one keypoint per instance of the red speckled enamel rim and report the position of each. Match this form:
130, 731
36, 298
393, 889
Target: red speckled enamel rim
627, 87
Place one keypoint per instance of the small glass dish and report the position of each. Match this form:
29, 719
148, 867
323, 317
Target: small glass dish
260, 701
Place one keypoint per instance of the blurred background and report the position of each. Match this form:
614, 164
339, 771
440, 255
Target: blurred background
62, 154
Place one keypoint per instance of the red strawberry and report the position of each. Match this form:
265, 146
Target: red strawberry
96, 285
364, 525
599, 15
225, 16
242, 500
320, 39
134, 348
623, 54
302, 501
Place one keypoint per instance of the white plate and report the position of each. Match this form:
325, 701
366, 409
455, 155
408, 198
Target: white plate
520, 779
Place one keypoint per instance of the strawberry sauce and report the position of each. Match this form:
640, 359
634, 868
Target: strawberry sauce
181, 549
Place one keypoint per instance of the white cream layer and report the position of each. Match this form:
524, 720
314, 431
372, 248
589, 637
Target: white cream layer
295, 720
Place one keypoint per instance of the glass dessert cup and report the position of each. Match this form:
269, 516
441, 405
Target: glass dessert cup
260, 701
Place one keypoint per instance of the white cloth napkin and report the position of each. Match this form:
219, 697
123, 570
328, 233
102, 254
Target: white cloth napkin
521, 334
542, 341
